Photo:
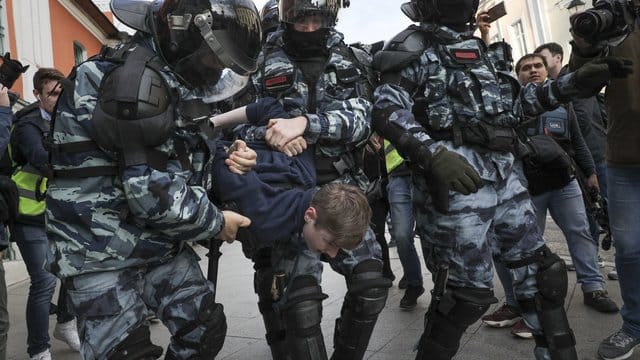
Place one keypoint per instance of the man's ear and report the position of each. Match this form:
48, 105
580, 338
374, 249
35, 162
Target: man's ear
310, 214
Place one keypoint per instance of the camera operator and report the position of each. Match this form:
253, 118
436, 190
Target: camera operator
617, 35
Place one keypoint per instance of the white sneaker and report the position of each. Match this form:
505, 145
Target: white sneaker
45, 355
68, 333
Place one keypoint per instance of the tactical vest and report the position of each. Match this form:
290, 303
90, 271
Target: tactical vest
31, 183
280, 79
465, 99
134, 114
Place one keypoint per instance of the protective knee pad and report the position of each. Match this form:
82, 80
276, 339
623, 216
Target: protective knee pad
136, 346
211, 318
302, 315
363, 302
445, 325
548, 304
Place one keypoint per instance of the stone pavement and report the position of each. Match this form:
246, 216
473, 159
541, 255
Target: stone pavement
394, 336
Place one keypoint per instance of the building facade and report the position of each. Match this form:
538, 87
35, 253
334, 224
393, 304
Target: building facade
530, 23
51, 33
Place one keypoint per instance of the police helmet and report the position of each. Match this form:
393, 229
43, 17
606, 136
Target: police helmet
326, 11
201, 38
269, 17
439, 11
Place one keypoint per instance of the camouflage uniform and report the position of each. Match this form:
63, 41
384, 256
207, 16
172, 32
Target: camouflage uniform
459, 94
338, 124
120, 240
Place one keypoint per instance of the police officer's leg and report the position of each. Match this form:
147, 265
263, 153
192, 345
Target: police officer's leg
539, 276
302, 314
183, 300
458, 241
458, 302
111, 316
262, 283
365, 299
548, 304
299, 299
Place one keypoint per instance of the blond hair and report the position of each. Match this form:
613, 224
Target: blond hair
342, 210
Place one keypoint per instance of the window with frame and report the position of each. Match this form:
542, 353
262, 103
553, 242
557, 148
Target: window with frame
2, 28
79, 53
518, 39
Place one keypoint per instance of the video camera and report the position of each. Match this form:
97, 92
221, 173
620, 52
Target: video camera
10, 71
608, 22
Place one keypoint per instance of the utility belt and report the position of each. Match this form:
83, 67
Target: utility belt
495, 138
329, 168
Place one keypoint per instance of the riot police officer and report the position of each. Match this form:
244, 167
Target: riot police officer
129, 185
325, 88
443, 105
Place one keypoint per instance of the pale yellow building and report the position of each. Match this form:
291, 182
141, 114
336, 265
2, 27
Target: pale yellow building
530, 23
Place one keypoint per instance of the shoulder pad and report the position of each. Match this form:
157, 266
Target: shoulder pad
411, 39
133, 13
401, 50
361, 56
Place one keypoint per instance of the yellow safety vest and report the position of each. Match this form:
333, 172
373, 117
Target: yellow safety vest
391, 157
32, 188
32, 185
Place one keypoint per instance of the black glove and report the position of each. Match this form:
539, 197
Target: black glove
592, 76
450, 171
8, 200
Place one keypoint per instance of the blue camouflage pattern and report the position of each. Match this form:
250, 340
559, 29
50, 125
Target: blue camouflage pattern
293, 258
120, 240
111, 304
342, 121
116, 222
499, 219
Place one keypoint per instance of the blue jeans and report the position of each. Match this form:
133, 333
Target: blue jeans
4, 314
33, 244
567, 210
624, 218
402, 227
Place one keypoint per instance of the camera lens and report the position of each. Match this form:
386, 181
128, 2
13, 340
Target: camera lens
592, 22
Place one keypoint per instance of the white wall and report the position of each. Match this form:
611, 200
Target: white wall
33, 39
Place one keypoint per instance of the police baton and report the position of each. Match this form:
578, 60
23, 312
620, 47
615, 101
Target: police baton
214, 262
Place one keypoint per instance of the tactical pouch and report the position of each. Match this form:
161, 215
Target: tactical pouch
547, 166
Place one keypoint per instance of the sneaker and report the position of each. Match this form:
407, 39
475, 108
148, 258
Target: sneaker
521, 330
618, 346
613, 275
570, 266
68, 333
45, 355
403, 283
501, 318
600, 301
392, 243
600, 261
410, 298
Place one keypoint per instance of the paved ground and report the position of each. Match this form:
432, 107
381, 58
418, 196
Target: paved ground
395, 334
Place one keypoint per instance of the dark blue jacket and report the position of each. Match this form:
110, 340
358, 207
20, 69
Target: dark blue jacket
277, 192
6, 119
